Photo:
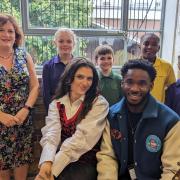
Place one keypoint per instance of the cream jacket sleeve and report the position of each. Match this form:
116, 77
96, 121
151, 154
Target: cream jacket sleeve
171, 153
87, 134
107, 166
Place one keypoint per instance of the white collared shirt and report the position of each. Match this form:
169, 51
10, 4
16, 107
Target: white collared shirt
87, 133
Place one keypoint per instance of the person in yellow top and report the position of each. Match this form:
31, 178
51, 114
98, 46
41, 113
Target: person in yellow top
149, 45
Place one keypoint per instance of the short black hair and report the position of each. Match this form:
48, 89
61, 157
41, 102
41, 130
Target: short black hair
139, 64
150, 35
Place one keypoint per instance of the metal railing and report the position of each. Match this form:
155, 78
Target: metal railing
125, 20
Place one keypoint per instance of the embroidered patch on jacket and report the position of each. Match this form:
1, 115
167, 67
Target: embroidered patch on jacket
116, 134
153, 143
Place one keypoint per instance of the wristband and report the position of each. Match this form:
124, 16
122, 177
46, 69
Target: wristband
28, 107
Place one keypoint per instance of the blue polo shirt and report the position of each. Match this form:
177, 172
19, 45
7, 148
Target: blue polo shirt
173, 97
52, 70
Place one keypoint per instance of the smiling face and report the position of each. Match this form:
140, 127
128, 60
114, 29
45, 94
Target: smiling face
83, 79
105, 62
136, 86
65, 43
7, 35
149, 47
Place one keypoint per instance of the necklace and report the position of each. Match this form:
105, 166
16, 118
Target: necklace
6, 57
133, 119
132, 127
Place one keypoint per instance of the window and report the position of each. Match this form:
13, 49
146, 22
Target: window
90, 19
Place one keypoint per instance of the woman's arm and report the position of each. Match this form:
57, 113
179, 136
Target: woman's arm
34, 90
87, 134
8, 120
34, 84
51, 134
50, 140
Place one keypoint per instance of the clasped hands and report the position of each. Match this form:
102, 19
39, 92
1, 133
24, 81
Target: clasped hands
9, 120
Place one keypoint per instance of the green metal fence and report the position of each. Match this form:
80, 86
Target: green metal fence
94, 21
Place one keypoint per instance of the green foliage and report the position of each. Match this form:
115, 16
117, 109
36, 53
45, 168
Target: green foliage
50, 14
41, 48
66, 13
11, 7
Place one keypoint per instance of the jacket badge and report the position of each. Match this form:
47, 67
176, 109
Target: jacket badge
153, 143
116, 134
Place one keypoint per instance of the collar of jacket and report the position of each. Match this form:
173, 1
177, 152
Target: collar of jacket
150, 111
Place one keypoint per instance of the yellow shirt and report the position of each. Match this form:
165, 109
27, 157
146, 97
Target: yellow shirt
165, 76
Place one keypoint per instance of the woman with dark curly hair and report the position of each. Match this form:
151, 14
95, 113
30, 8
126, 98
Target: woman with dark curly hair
75, 121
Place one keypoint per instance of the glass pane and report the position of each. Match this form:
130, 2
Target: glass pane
144, 15
42, 48
86, 14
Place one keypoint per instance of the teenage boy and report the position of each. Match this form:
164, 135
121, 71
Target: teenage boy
149, 45
110, 82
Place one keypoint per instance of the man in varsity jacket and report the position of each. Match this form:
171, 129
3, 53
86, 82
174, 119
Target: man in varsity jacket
142, 137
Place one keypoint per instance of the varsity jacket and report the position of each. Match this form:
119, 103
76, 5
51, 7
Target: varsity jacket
154, 152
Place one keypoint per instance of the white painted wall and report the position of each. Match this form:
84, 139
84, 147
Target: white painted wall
177, 42
171, 38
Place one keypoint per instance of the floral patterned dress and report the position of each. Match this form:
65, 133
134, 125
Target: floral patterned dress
16, 141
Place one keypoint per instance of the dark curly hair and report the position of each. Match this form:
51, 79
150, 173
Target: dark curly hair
139, 64
150, 35
67, 78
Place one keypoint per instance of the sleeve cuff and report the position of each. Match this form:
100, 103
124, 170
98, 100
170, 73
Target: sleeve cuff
60, 162
48, 153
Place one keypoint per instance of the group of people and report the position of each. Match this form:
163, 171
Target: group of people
99, 124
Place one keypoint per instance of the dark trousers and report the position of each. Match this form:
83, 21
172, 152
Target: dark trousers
125, 176
78, 171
